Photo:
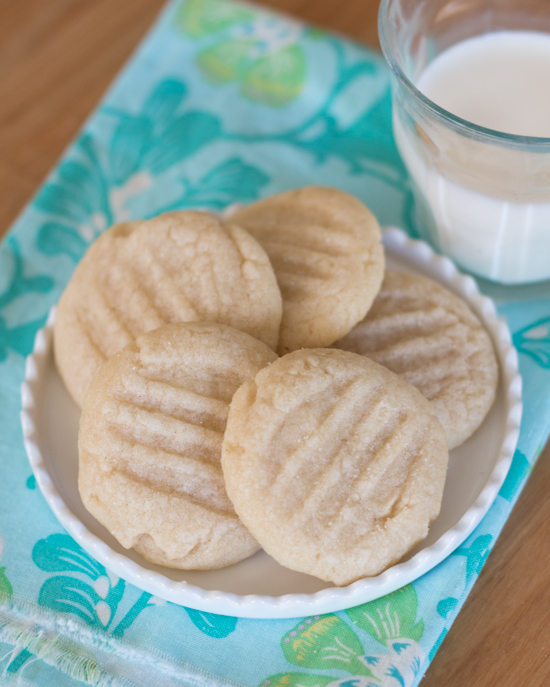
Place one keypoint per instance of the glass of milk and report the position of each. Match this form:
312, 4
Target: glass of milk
471, 119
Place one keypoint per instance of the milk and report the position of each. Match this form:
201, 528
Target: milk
491, 204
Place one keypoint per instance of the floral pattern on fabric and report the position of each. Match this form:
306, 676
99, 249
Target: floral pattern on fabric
89, 591
534, 341
329, 643
92, 189
5, 585
259, 51
17, 333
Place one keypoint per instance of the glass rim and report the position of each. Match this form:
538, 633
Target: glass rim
461, 125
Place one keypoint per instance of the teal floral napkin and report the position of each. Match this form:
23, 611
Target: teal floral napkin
222, 103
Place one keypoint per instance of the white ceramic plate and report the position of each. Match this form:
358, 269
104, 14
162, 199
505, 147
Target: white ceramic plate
259, 587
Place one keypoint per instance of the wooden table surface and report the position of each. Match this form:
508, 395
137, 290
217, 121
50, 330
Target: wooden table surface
56, 60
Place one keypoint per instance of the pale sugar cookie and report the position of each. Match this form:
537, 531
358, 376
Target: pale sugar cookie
335, 464
431, 338
325, 247
150, 443
178, 267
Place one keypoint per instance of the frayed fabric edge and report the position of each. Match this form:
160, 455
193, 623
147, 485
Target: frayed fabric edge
67, 645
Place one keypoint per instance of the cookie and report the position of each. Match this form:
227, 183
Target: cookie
178, 267
325, 247
150, 443
335, 464
431, 338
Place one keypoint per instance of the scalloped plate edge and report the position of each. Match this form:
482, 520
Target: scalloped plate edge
331, 599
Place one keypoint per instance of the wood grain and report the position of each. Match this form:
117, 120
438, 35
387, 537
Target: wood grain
56, 60
501, 637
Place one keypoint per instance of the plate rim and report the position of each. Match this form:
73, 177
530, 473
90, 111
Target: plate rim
331, 599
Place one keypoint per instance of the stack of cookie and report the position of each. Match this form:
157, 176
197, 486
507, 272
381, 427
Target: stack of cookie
198, 444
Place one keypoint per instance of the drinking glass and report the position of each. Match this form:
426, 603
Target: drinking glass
482, 196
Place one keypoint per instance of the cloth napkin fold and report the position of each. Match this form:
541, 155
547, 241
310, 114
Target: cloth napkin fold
222, 103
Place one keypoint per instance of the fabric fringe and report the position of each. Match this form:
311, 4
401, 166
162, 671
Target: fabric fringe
56, 651
67, 645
